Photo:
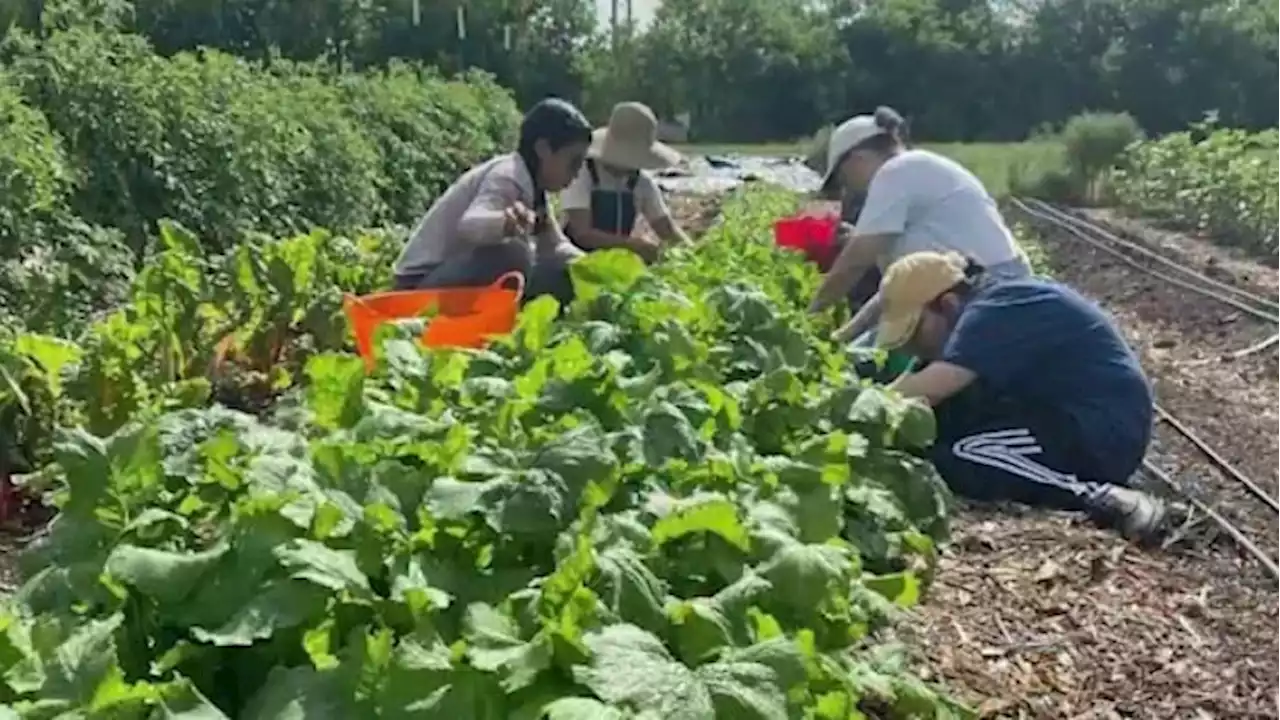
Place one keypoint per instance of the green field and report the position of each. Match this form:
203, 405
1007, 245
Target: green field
993, 162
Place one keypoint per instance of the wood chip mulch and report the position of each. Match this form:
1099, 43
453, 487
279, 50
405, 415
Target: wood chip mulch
1040, 615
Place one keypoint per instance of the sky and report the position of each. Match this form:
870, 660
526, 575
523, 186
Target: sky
641, 10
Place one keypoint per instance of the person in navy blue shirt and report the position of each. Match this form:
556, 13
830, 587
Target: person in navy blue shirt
1038, 397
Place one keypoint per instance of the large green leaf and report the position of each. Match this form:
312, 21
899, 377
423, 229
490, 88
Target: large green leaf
632, 668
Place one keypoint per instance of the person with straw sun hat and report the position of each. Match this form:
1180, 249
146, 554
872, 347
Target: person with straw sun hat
613, 187
1038, 398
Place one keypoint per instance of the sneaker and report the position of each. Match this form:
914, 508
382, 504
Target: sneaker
1136, 515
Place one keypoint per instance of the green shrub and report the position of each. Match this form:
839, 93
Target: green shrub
97, 91
1217, 181
1094, 143
427, 129
1055, 183
35, 178
208, 140
54, 267
337, 170
214, 143
222, 146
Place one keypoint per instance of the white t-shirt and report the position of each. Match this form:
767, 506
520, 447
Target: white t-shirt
648, 197
932, 202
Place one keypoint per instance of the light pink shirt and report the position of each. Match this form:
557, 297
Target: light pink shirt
470, 213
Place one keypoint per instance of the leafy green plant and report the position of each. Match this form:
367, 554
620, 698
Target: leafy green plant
1212, 180
237, 327
676, 501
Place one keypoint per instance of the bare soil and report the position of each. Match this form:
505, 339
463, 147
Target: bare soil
693, 212
1039, 615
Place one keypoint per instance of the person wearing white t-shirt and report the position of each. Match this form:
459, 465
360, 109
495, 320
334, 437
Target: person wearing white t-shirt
613, 188
916, 200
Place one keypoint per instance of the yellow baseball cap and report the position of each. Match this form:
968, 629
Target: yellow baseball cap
912, 282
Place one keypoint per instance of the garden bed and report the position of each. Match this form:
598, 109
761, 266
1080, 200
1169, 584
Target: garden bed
675, 499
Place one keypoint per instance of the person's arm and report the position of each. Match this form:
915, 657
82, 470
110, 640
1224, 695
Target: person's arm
856, 257
485, 220
554, 243
649, 199
862, 321
935, 383
668, 231
550, 240
882, 220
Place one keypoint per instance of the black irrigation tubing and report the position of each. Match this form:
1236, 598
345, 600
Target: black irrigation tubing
1080, 228
1097, 228
1217, 459
1207, 450
1236, 534
1213, 455
1261, 308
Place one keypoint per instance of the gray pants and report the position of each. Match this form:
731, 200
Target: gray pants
544, 275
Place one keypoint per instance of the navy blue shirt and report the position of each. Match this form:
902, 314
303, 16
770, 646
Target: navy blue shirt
1047, 347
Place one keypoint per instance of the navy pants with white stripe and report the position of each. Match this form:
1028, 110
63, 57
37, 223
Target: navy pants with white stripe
991, 448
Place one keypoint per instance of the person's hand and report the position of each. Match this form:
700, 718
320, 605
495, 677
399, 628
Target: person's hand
847, 333
567, 252
648, 250
844, 233
518, 220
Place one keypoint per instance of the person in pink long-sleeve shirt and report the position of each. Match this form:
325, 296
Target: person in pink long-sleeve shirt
494, 219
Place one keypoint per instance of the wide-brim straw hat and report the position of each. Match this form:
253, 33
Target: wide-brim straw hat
630, 140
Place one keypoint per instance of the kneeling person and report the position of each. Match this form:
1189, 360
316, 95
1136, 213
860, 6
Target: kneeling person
1037, 396
613, 187
494, 219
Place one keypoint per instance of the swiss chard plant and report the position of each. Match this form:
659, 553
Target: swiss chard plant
235, 327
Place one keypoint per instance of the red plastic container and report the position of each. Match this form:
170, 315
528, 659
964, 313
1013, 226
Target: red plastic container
814, 236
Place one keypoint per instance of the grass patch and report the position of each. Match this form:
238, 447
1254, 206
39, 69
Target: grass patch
997, 163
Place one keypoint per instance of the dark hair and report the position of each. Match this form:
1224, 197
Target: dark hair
894, 135
560, 124
893, 138
973, 274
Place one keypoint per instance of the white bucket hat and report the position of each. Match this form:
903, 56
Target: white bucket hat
631, 140
848, 135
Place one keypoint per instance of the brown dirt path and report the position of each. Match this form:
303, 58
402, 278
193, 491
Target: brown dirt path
1037, 615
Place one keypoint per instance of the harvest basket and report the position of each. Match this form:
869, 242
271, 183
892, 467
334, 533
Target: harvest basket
461, 317
815, 236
